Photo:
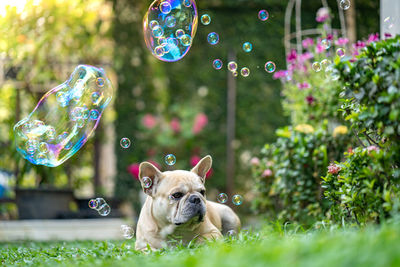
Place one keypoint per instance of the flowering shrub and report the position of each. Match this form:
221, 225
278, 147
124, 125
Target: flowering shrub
288, 175
365, 187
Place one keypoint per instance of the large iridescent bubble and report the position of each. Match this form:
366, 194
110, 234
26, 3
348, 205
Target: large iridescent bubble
64, 118
169, 27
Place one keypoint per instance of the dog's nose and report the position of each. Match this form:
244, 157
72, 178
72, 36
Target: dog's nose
194, 199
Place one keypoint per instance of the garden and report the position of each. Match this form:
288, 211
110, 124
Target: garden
297, 102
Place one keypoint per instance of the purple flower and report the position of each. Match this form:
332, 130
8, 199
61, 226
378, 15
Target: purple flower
359, 45
304, 85
292, 56
280, 74
373, 38
329, 37
388, 35
310, 99
307, 42
306, 56
341, 41
322, 14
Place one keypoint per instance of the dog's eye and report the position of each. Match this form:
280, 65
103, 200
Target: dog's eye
203, 192
177, 195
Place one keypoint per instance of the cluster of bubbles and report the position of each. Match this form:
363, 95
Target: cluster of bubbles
169, 28
170, 159
100, 205
125, 142
328, 67
127, 231
326, 44
236, 199
344, 4
64, 118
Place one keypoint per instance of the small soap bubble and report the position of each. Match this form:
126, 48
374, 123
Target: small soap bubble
95, 97
205, 19
104, 210
147, 182
325, 63
217, 64
170, 159
245, 72
93, 204
165, 7
344, 4
31, 146
125, 142
340, 52
213, 38
316, 66
163, 19
222, 198
186, 40
263, 15
231, 233
94, 114
127, 231
389, 22
43, 147
247, 47
235, 73
270, 67
326, 44
100, 82
232, 66
237, 200
100, 202
170, 21
60, 139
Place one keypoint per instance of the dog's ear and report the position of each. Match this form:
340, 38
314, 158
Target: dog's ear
146, 169
203, 167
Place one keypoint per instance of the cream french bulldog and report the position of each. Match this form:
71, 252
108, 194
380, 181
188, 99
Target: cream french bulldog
176, 206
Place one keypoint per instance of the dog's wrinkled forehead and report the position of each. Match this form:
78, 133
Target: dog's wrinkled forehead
184, 179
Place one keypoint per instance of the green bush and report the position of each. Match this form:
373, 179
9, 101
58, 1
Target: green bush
288, 176
365, 187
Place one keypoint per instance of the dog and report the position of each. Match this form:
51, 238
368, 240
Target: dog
176, 207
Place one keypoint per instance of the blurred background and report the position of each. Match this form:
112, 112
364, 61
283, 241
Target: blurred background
181, 108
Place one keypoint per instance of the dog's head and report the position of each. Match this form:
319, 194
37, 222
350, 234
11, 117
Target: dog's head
178, 196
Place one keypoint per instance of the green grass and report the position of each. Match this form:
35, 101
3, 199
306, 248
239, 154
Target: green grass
273, 246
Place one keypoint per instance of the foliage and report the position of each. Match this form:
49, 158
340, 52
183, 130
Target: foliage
288, 177
273, 246
372, 86
365, 187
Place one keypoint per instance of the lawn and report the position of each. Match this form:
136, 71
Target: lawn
272, 246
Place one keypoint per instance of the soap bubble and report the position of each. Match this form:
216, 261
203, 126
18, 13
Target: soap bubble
100, 202
232, 66
170, 159
235, 73
344, 4
316, 66
340, 52
93, 204
270, 67
245, 72
205, 19
165, 7
162, 20
237, 200
147, 182
127, 231
389, 22
325, 63
222, 198
61, 122
125, 142
104, 210
213, 38
326, 44
231, 233
217, 64
263, 15
247, 47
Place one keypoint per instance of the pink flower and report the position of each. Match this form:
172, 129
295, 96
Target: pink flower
387, 35
149, 121
307, 42
280, 74
193, 162
175, 125
329, 37
133, 169
306, 56
200, 122
333, 168
304, 85
292, 57
341, 41
374, 37
372, 148
359, 45
255, 161
310, 99
267, 173
320, 48
322, 14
